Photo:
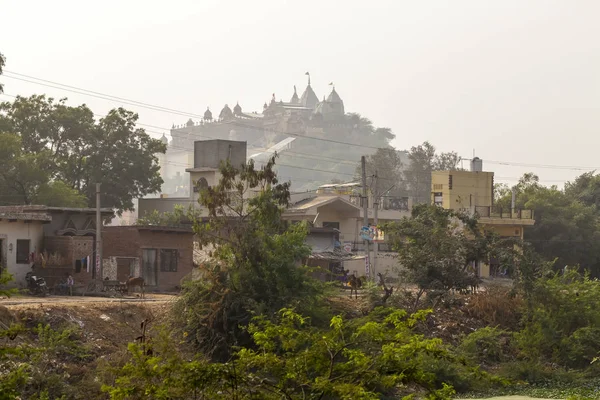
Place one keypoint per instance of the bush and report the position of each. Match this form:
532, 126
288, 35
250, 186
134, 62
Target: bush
579, 349
563, 323
496, 307
486, 346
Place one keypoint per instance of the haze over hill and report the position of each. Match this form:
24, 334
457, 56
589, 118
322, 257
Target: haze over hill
516, 81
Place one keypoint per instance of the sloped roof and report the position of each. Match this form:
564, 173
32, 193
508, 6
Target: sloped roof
320, 201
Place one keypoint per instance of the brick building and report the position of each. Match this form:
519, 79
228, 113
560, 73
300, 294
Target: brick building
163, 256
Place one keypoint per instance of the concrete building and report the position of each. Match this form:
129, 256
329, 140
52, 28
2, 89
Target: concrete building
68, 235
338, 207
473, 192
21, 237
208, 154
163, 256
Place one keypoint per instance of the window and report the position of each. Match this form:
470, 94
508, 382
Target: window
23, 251
168, 260
438, 199
450, 182
335, 225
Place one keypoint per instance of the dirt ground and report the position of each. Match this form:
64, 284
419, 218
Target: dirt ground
19, 302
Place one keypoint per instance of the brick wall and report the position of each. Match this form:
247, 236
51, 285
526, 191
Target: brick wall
128, 241
70, 249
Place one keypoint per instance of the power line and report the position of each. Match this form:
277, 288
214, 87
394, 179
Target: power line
237, 123
87, 92
99, 95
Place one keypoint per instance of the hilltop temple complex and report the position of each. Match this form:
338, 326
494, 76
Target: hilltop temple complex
293, 127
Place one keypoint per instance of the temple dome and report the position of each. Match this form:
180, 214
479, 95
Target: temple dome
208, 115
237, 110
226, 112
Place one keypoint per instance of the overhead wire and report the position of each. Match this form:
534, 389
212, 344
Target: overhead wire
302, 135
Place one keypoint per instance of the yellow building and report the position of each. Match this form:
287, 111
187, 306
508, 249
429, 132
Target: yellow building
473, 192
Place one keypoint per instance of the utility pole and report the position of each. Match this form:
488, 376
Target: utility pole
375, 209
98, 263
365, 205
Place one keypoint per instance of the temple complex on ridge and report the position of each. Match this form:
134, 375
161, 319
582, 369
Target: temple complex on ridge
278, 121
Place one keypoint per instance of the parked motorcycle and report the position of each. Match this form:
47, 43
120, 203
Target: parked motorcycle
36, 284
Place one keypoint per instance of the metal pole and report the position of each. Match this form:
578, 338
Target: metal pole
98, 234
375, 209
365, 210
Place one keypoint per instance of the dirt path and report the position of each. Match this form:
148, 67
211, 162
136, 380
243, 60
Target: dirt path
17, 302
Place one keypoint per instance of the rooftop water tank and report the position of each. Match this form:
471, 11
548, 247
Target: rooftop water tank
476, 164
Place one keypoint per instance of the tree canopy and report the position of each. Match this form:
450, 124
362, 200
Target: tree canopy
256, 267
55, 152
567, 225
2, 62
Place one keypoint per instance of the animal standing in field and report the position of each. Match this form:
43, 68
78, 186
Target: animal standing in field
133, 282
355, 283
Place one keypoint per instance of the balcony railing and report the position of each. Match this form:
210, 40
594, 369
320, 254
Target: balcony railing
394, 203
497, 212
385, 203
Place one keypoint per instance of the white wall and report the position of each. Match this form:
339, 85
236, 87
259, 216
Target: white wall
10, 232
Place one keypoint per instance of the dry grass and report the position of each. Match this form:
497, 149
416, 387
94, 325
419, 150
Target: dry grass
496, 307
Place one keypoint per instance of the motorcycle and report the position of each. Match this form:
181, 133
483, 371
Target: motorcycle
36, 284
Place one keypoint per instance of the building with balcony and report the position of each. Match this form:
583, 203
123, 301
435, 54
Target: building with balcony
473, 192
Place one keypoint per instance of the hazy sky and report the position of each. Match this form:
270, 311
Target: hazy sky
518, 81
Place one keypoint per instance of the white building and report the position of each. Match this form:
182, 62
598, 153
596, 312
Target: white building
21, 236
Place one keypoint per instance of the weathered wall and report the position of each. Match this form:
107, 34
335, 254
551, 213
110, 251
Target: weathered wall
468, 188
129, 242
210, 153
10, 232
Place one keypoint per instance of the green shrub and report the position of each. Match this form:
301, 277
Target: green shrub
579, 349
487, 345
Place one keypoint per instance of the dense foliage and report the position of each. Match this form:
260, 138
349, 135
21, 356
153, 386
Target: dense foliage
567, 224
256, 267
54, 154
437, 247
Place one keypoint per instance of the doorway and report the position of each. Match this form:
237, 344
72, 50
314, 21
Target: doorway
149, 263
124, 268
3, 265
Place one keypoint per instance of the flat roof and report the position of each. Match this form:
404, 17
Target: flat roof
39, 208
155, 228
18, 216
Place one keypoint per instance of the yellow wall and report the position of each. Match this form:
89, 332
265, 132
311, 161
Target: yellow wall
468, 188
504, 230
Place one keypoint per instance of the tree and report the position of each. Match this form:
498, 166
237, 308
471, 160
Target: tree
178, 217
59, 194
389, 167
56, 142
22, 173
586, 189
2, 63
423, 159
566, 229
256, 266
436, 246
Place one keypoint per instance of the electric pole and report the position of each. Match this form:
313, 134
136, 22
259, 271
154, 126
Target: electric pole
365, 204
375, 209
98, 234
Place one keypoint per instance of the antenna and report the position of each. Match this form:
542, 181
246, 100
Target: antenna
473, 153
